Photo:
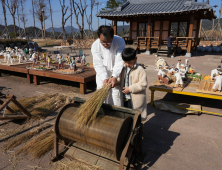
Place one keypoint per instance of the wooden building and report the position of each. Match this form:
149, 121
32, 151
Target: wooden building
152, 21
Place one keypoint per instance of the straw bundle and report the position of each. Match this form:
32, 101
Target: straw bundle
43, 109
38, 146
24, 138
29, 102
75, 165
87, 112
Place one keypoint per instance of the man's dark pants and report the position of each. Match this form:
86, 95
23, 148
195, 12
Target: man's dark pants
169, 52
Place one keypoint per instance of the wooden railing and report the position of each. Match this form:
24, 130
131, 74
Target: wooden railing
148, 42
183, 43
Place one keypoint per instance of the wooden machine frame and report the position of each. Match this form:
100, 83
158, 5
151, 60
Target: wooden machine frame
129, 148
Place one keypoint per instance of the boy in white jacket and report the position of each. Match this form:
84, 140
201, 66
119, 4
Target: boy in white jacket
133, 82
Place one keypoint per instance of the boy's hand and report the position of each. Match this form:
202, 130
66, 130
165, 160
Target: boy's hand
105, 82
112, 81
126, 90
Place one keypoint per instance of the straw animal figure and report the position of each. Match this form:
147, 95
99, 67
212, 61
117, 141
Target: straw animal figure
87, 112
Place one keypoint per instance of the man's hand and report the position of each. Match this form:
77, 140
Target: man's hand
113, 81
125, 90
105, 82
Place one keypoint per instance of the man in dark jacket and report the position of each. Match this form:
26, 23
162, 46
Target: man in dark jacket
169, 44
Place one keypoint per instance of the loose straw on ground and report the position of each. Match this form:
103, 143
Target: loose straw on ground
74, 165
24, 138
87, 112
38, 146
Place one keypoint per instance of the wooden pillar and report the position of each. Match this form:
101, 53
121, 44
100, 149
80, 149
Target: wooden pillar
130, 36
115, 27
198, 28
190, 35
178, 29
148, 34
161, 31
149, 27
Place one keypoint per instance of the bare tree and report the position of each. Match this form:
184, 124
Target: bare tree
32, 10
88, 19
50, 7
18, 16
39, 7
81, 9
71, 17
12, 6
64, 11
4, 11
23, 15
92, 5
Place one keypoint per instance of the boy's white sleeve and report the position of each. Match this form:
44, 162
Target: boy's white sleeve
98, 62
118, 65
141, 85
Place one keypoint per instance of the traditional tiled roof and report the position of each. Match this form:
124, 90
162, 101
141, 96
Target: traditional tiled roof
150, 7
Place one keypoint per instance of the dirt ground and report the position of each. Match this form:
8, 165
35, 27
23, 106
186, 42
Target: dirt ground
171, 141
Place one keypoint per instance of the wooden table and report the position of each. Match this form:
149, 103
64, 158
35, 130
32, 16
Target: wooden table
21, 68
89, 74
190, 90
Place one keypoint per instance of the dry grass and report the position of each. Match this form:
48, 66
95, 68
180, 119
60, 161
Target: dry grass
74, 165
24, 138
38, 146
43, 109
48, 42
40, 106
87, 112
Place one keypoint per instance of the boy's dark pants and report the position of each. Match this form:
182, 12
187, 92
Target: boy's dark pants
128, 103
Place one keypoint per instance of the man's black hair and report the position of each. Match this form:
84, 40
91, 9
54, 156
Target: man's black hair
171, 34
128, 54
106, 31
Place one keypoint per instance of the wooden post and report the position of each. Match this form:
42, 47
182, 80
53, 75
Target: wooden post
36, 80
198, 28
190, 35
56, 147
161, 32
115, 27
83, 88
152, 97
148, 35
130, 36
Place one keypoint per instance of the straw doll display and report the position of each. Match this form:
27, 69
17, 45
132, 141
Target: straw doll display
49, 60
34, 59
73, 64
83, 60
59, 58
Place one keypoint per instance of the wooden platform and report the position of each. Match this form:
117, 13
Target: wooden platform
89, 74
158, 85
190, 90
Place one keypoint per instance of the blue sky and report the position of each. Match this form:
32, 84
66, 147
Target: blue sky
57, 14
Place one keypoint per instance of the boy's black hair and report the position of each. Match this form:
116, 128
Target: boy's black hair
171, 34
128, 54
106, 31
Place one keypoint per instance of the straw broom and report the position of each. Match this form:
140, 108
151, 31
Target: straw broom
24, 138
87, 112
